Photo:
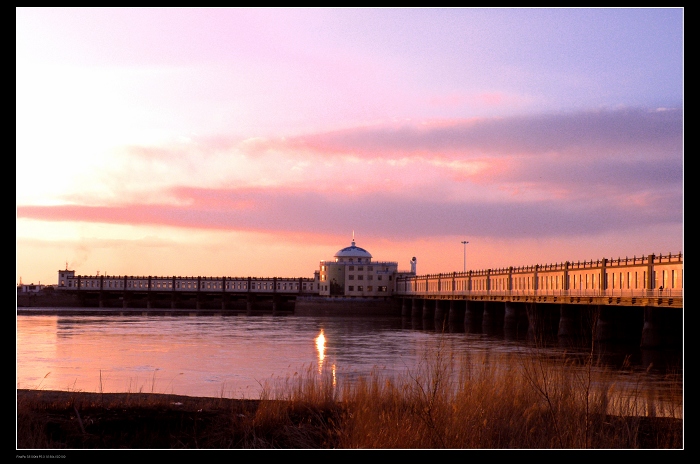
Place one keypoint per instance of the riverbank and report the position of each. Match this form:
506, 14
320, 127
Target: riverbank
81, 420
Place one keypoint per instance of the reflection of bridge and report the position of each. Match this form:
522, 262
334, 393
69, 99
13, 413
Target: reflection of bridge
625, 298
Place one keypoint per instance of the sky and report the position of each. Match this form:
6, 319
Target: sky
255, 142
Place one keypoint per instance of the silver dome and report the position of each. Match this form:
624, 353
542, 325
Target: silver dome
353, 252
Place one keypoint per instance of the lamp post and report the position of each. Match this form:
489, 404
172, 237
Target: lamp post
465, 254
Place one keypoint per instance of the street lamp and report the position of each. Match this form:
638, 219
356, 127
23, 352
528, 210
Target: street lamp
465, 254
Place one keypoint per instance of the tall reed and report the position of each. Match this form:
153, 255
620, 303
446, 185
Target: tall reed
454, 401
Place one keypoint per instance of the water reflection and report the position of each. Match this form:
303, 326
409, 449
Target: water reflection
235, 356
320, 348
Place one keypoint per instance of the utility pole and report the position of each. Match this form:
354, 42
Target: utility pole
465, 254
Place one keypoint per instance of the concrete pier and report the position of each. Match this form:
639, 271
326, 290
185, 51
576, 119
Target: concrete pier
456, 314
569, 322
515, 320
439, 314
428, 307
416, 308
652, 331
405, 307
473, 315
492, 319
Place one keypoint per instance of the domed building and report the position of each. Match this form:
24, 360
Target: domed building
352, 273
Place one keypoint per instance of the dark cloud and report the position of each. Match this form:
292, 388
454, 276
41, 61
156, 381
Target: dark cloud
594, 133
623, 175
380, 215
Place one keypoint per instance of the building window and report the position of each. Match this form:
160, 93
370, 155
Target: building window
359, 288
360, 277
360, 268
351, 268
351, 277
351, 288
379, 277
381, 288
369, 288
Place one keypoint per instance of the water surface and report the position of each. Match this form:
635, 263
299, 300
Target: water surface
233, 356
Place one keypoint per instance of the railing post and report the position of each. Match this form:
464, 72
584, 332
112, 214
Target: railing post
603, 277
650, 275
509, 284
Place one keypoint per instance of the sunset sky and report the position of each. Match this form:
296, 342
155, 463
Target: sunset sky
237, 142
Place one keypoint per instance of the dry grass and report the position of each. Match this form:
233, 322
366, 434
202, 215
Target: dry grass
444, 404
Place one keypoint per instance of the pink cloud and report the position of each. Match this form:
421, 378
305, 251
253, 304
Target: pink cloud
597, 134
386, 215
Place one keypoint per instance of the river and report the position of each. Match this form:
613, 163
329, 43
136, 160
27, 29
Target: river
235, 356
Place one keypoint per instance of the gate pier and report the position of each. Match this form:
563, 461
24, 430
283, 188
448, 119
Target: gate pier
473, 315
492, 319
456, 313
428, 306
416, 309
515, 319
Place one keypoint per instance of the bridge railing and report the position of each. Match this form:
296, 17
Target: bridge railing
611, 293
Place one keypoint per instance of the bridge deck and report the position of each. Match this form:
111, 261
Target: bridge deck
657, 299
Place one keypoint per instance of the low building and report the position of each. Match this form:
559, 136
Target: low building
352, 273
31, 288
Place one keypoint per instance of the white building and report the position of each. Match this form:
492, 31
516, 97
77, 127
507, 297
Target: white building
352, 273
31, 288
65, 278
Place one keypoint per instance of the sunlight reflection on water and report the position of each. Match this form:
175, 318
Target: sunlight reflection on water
234, 356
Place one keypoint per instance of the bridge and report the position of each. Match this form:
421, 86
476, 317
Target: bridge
197, 292
620, 298
637, 297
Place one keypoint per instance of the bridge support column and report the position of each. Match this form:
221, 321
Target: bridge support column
148, 301
250, 304
473, 315
652, 331
276, 305
405, 310
569, 322
125, 304
428, 306
439, 315
543, 320
416, 308
515, 319
101, 300
492, 320
173, 300
605, 324
456, 313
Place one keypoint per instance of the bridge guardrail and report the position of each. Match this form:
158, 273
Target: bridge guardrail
612, 293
